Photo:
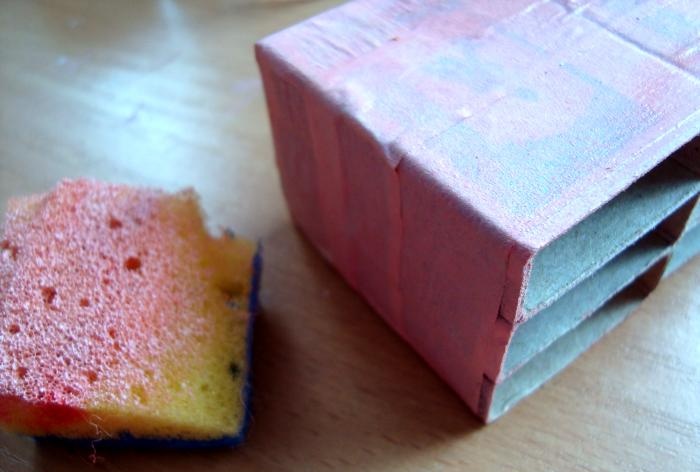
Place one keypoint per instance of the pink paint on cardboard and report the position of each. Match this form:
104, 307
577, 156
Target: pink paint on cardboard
432, 149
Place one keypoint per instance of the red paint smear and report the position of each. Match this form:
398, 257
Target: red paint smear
38, 416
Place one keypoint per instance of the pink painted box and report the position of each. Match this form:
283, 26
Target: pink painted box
503, 181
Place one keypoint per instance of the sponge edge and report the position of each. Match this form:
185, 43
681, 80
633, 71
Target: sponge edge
126, 440
124, 350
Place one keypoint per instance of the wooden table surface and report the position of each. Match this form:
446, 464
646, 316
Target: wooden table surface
167, 93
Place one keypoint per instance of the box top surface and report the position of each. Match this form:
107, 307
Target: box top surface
533, 113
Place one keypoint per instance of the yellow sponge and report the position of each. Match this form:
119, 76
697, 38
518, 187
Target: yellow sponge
122, 318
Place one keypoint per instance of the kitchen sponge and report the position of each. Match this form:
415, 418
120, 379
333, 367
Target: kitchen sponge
122, 318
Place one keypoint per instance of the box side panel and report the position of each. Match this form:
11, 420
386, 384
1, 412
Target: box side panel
294, 149
392, 233
453, 270
339, 187
371, 220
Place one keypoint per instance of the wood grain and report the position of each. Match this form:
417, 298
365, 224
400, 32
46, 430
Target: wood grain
167, 93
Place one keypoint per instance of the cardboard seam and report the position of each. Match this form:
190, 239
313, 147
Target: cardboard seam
504, 285
493, 354
581, 11
399, 262
486, 391
344, 66
641, 47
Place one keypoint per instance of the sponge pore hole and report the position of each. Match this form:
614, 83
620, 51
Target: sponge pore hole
48, 294
115, 223
5, 245
91, 376
21, 372
84, 302
13, 328
132, 263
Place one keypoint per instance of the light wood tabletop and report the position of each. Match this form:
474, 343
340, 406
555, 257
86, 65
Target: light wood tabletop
167, 93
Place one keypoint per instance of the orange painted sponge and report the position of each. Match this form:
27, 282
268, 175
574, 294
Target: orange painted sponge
121, 317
